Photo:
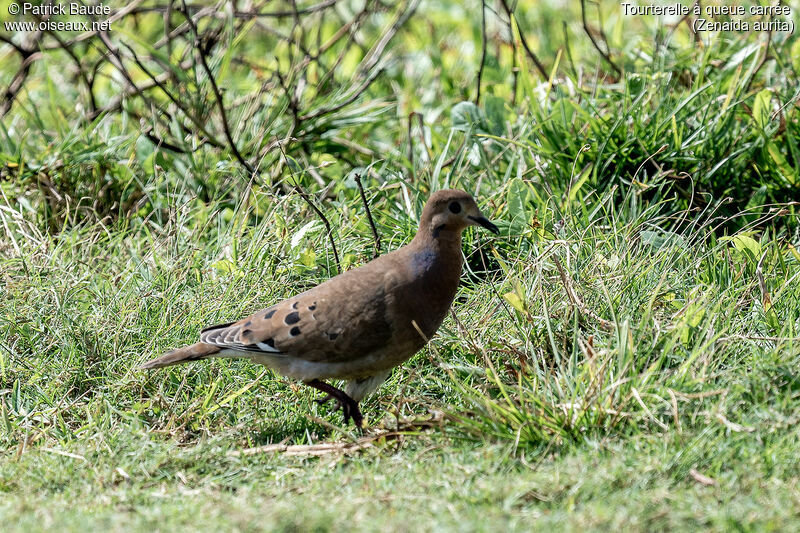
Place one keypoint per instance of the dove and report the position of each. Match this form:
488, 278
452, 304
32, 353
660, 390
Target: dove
361, 324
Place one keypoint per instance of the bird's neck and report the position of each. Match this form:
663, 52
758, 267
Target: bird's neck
438, 255
436, 270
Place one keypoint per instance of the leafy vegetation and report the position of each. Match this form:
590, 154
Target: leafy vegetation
625, 353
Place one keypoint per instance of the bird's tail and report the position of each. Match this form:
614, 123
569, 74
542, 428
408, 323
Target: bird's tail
199, 350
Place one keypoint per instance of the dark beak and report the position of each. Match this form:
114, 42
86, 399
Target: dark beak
483, 221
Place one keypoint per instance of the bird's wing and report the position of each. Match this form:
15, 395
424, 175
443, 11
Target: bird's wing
342, 319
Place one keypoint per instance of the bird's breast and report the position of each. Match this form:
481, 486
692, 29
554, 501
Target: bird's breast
425, 294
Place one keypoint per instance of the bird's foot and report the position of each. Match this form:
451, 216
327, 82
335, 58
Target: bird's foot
350, 410
344, 402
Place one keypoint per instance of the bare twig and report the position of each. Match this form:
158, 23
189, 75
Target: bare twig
29, 54
161, 143
251, 14
81, 71
531, 55
17, 82
20, 50
405, 427
325, 221
375, 234
350, 29
299, 190
217, 94
368, 66
184, 112
762, 60
701, 478
602, 52
180, 105
483, 53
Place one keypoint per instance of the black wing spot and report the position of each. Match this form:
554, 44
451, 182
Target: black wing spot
294, 332
246, 332
292, 318
247, 324
312, 307
270, 342
269, 314
332, 336
294, 305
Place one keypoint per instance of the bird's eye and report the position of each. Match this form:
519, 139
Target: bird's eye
455, 207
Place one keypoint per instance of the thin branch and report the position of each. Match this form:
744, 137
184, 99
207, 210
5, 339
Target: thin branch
244, 14
29, 54
531, 55
299, 190
180, 105
321, 215
483, 53
116, 60
349, 100
369, 63
161, 143
602, 52
375, 235
81, 72
20, 50
217, 94
17, 82
762, 60
350, 29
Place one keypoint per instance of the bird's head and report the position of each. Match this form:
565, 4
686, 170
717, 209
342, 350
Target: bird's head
449, 211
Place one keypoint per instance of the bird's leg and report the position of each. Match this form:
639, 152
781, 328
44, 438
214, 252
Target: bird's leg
325, 399
349, 406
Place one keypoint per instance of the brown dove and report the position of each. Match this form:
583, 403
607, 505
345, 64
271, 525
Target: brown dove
360, 324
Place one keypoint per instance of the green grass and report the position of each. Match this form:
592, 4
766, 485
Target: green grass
654, 386
428, 485
545, 432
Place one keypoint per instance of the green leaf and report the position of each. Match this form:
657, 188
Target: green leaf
466, 116
579, 181
745, 245
695, 314
794, 251
784, 168
515, 301
517, 197
758, 198
795, 53
308, 258
761, 108
298, 237
226, 266
495, 114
